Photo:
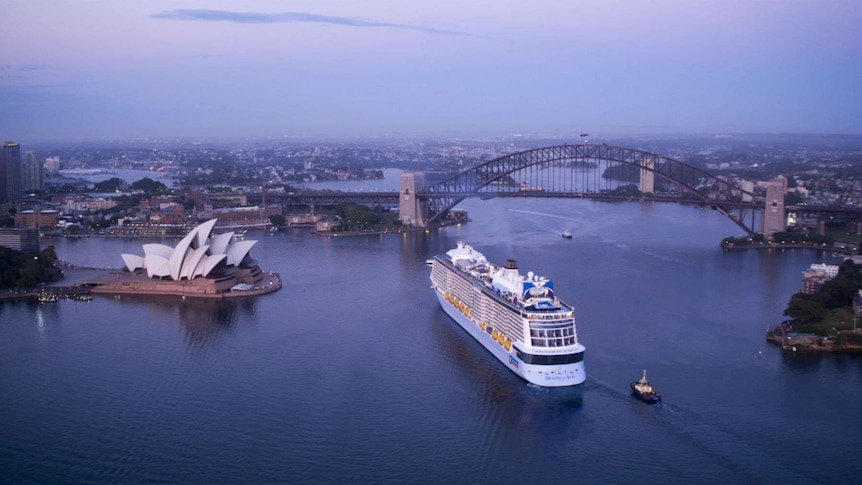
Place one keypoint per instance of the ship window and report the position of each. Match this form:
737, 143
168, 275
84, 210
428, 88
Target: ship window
550, 359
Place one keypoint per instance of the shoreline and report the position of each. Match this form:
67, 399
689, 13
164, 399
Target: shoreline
790, 341
371, 232
834, 249
385, 231
89, 281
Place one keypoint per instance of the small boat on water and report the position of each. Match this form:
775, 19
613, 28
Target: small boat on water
48, 298
566, 235
643, 390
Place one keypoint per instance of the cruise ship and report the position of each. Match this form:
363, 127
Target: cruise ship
516, 317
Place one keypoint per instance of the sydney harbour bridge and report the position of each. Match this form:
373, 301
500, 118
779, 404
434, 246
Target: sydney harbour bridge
584, 171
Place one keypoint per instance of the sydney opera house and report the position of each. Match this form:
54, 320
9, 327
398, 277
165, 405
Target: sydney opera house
201, 265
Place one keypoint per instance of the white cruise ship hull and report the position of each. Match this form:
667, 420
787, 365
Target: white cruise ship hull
541, 375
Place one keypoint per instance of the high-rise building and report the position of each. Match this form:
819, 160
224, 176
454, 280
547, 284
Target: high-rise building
24, 240
52, 164
32, 173
10, 172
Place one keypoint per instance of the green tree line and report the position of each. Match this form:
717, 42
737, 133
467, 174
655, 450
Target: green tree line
18, 269
835, 293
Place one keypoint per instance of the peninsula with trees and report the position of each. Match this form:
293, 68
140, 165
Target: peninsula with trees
824, 316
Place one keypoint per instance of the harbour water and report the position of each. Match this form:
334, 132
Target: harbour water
353, 374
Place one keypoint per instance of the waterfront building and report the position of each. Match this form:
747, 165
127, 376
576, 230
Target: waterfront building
37, 218
198, 255
814, 277
325, 224
202, 265
10, 172
301, 219
242, 217
137, 228
24, 240
88, 204
812, 281
831, 270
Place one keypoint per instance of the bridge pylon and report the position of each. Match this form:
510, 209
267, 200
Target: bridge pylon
411, 209
648, 176
774, 215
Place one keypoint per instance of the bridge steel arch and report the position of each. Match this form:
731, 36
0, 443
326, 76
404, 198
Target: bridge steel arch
576, 170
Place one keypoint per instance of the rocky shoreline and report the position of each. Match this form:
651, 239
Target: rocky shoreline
789, 340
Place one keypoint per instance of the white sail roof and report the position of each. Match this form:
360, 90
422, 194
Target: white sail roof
237, 251
197, 254
133, 261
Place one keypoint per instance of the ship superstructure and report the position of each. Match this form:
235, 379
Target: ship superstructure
518, 318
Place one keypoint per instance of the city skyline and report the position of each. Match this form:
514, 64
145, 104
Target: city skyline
166, 68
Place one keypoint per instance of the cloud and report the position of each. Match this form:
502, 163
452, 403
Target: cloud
289, 17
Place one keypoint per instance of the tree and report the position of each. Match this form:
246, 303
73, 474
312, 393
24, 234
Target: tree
67, 188
793, 198
850, 270
148, 185
354, 216
27, 269
838, 292
806, 311
113, 184
629, 190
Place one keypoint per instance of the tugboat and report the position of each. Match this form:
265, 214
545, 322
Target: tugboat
643, 391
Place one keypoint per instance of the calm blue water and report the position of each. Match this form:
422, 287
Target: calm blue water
353, 374
390, 182
129, 175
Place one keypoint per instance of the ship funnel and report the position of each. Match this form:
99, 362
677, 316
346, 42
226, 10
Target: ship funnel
511, 264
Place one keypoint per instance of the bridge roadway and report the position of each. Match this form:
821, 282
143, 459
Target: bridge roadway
556, 171
826, 209
391, 198
325, 198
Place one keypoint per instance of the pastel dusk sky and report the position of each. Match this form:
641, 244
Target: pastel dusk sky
106, 68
